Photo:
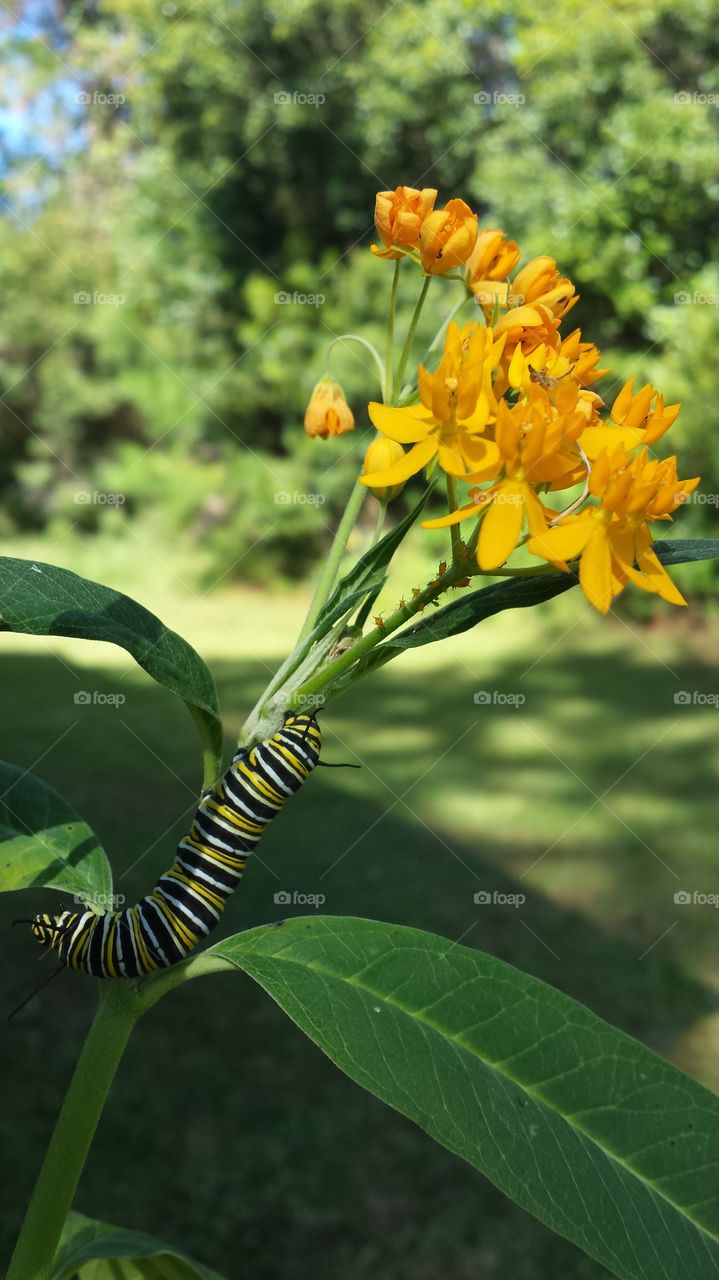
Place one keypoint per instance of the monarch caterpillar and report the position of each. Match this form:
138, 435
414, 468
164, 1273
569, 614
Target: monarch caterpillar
189, 898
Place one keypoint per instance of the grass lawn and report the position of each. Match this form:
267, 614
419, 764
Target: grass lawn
227, 1132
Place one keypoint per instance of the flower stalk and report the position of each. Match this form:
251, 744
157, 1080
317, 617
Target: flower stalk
332, 564
389, 353
405, 354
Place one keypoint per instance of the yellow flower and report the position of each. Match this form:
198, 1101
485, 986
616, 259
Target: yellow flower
328, 413
493, 256
456, 404
553, 369
528, 327
381, 455
637, 422
613, 539
583, 358
540, 283
524, 329
537, 300
398, 217
535, 439
447, 237
489, 265
636, 412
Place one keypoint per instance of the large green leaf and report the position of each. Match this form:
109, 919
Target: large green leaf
96, 1251
606, 1143
521, 593
44, 842
41, 599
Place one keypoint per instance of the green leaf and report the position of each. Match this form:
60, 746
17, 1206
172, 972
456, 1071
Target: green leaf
44, 842
96, 1251
522, 593
43, 600
368, 573
343, 604
602, 1140
685, 550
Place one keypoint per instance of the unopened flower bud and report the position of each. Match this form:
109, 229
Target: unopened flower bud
328, 413
382, 454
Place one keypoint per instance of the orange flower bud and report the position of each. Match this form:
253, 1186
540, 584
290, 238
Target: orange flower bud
492, 258
381, 454
540, 282
398, 217
328, 413
448, 237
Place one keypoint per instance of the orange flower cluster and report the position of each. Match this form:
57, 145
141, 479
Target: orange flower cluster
510, 410
408, 223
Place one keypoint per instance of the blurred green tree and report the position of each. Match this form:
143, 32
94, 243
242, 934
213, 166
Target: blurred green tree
184, 170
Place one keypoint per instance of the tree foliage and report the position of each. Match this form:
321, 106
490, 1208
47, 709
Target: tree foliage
184, 168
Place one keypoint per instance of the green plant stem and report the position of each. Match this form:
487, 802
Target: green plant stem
404, 357
54, 1191
466, 567
211, 747
455, 535
334, 559
327, 676
197, 966
389, 381
364, 342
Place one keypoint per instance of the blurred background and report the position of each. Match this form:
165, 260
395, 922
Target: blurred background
186, 203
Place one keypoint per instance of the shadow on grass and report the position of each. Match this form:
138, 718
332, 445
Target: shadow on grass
222, 1112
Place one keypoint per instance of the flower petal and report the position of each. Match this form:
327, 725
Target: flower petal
454, 517
595, 570
451, 461
481, 457
563, 541
654, 577
536, 518
595, 439
501, 528
410, 464
406, 426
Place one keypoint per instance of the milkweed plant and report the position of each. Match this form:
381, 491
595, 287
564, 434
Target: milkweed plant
604, 1142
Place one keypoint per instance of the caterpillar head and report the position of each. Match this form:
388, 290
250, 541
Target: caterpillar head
300, 720
48, 930
303, 725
